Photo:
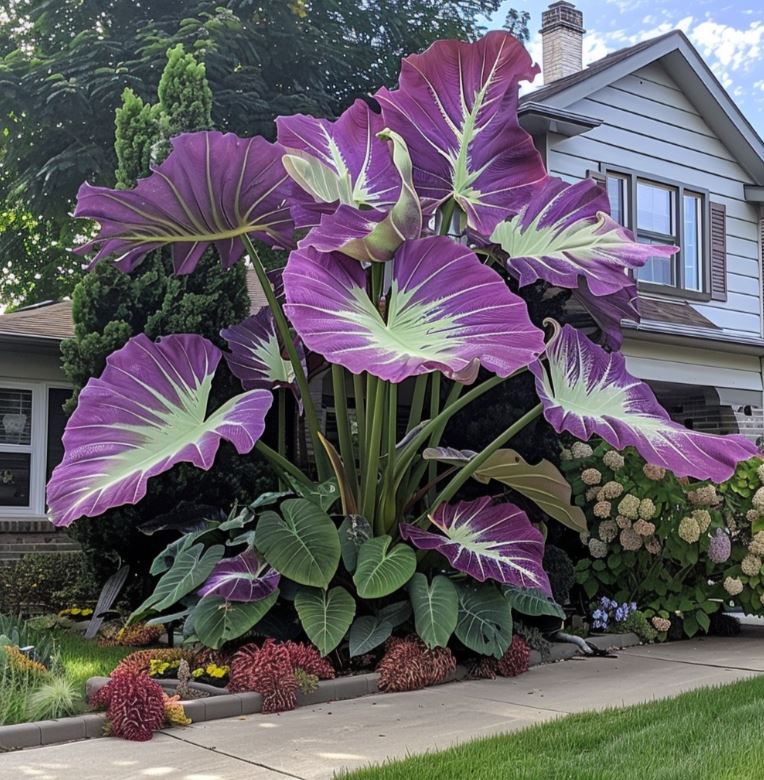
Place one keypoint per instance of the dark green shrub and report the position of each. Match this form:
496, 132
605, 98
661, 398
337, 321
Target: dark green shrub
46, 582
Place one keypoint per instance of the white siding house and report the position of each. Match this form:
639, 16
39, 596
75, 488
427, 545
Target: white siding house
682, 166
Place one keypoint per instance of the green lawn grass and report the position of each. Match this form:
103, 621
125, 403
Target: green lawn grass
708, 734
79, 658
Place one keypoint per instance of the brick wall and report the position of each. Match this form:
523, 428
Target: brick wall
694, 409
18, 537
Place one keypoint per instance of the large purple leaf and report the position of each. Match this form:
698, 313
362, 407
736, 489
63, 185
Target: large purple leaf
242, 578
445, 311
211, 190
587, 391
565, 234
334, 163
146, 413
256, 356
373, 235
487, 541
456, 108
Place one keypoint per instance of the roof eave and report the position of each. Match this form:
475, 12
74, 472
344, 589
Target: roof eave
537, 119
700, 85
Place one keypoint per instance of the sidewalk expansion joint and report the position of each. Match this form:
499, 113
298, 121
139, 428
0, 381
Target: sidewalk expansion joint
232, 755
694, 663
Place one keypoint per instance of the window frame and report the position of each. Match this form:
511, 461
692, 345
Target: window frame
678, 290
37, 448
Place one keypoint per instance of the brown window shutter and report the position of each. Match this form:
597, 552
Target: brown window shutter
718, 251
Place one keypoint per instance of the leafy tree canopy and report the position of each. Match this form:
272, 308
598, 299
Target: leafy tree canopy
64, 65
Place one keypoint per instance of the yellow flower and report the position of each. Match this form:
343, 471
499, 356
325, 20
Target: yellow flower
197, 672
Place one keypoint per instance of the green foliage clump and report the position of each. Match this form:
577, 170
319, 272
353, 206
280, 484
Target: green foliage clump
56, 697
680, 548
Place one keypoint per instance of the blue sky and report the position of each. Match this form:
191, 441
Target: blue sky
729, 35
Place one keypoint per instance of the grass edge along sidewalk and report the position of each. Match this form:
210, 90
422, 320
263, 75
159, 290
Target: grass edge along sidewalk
707, 734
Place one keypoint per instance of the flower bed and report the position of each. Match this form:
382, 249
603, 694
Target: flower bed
681, 549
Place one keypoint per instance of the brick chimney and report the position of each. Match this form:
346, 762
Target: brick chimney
562, 36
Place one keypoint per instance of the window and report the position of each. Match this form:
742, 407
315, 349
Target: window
31, 426
666, 213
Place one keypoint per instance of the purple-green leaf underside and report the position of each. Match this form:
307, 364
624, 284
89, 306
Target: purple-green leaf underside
486, 541
445, 311
143, 415
213, 189
588, 392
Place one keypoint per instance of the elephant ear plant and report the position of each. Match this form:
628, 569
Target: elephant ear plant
402, 225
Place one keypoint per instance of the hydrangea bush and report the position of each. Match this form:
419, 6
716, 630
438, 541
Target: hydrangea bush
680, 548
403, 220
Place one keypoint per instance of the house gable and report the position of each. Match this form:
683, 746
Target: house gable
647, 124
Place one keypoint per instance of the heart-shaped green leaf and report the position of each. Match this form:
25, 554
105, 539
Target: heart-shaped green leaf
303, 546
190, 569
325, 615
533, 602
485, 620
216, 621
368, 632
436, 608
381, 571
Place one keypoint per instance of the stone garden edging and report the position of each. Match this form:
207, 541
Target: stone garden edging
220, 704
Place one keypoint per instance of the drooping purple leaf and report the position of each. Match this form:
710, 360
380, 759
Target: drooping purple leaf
486, 541
211, 190
456, 108
243, 578
608, 310
144, 414
565, 234
587, 391
256, 356
445, 311
335, 163
373, 235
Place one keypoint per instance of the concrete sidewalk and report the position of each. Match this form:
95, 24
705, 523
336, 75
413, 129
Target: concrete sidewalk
315, 742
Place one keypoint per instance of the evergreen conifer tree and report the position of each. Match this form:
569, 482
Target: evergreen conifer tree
110, 306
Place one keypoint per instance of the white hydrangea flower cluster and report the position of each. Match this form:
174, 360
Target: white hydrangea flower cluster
644, 527
733, 585
703, 519
581, 450
591, 477
751, 565
706, 496
756, 547
647, 509
612, 489
602, 509
758, 500
623, 522
655, 473
597, 548
630, 539
591, 493
629, 506
653, 545
661, 624
689, 530
760, 473
613, 460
